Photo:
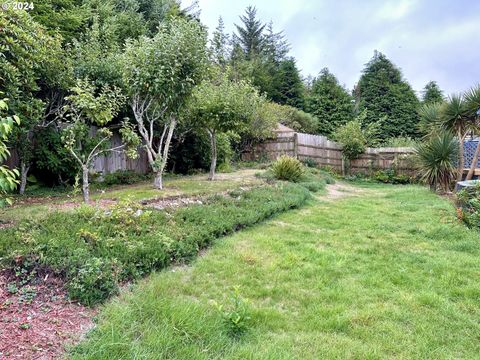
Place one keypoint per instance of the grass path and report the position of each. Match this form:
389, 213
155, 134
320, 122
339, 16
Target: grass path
386, 272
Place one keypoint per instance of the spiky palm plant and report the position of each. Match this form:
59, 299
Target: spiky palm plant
453, 119
436, 158
430, 123
472, 106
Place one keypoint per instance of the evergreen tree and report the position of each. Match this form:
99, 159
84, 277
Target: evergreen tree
250, 34
388, 98
329, 102
276, 46
219, 44
432, 93
66, 17
289, 85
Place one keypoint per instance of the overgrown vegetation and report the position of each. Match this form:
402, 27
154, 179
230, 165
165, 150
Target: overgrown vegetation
469, 206
95, 250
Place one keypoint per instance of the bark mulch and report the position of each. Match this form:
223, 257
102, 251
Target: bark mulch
37, 320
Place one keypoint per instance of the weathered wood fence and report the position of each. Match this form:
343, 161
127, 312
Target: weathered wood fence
105, 164
328, 153
115, 161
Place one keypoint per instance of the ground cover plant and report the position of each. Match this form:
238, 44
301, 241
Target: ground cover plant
95, 249
385, 273
40, 202
469, 206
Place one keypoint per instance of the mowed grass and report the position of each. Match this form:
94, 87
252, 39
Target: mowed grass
387, 273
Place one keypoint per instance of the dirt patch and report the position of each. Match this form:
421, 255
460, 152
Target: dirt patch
340, 190
38, 320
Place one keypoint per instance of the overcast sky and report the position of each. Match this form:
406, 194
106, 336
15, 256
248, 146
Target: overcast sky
428, 39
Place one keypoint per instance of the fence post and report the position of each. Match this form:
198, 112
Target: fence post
295, 145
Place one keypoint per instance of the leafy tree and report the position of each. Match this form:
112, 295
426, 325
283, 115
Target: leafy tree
159, 75
250, 34
432, 93
8, 177
388, 98
329, 102
292, 117
355, 136
32, 63
65, 17
222, 106
84, 109
96, 55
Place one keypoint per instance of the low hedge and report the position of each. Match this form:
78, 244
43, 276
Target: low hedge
94, 250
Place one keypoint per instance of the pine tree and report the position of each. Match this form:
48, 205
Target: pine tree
388, 98
329, 102
289, 85
432, 93
276, 47
219, 45
250, 35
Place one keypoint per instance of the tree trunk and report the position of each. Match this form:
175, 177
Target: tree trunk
163, 150
85, 185
473, 165
158, 182
23, 177
213, 160
461, 160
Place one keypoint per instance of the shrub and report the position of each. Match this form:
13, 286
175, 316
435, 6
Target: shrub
352, 138
469, 210
437, 161
287, 168
95, 249
400, 141
309, 162
93, 281
390, 176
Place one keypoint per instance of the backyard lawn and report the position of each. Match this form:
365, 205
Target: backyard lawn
381, 272
31, 206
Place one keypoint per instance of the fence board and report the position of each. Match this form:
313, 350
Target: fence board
326, 152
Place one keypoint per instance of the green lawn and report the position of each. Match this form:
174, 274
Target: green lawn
28, 207
387, 273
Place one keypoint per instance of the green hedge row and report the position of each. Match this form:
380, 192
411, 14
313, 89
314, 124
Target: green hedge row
95, 250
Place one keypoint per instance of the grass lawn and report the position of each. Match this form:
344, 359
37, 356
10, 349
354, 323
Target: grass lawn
386, 273
28, 207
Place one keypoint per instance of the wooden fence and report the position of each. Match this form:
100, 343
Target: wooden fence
114, 161
106, 164
329, 154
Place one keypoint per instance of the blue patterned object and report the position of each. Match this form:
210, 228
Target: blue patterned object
469, 148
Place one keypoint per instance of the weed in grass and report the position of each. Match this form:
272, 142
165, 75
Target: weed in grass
235, 314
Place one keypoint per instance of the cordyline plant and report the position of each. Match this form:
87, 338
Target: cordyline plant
8, 177
86, 109
457, 115
159, 75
